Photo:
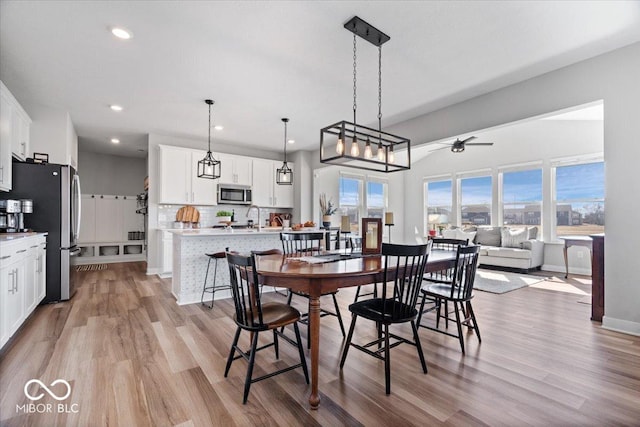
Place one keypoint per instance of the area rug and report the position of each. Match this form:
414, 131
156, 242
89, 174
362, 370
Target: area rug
500, 282
91, 267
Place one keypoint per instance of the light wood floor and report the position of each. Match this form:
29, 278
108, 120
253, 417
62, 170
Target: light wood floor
135, 358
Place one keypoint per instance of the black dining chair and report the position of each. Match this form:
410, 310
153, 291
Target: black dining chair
458, 291
308, 244
269, 252
401, 279
254, 316
355, 244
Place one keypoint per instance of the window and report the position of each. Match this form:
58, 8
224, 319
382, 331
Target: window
438, 198
356, 203
351, 200
376, 199
522, 198
579, 199
475, 200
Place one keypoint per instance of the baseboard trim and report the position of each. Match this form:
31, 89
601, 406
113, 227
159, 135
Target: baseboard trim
572, 270
621, 325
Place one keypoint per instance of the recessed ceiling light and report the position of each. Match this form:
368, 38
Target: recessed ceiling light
291, 141
121, 33
115, 107
218, 127
115, 140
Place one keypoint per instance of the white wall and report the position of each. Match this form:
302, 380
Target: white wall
612, 77
107, 174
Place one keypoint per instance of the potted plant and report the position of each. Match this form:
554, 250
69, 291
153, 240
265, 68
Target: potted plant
223, 216
326, 210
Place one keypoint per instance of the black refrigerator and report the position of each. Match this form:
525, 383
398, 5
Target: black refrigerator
55, 191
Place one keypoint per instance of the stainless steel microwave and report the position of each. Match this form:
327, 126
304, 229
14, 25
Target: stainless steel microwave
230, 194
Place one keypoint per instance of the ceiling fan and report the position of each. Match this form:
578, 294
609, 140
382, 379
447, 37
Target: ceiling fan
458, 145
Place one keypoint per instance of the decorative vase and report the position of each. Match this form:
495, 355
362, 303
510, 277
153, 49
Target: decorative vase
326, 221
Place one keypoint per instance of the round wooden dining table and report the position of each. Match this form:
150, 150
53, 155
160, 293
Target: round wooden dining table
316, 279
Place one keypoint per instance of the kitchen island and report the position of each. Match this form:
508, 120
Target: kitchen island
190, 247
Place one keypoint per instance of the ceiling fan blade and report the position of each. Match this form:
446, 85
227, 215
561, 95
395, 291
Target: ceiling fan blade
468, 139
480, 143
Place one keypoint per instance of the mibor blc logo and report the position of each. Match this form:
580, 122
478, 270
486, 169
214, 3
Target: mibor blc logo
55, 391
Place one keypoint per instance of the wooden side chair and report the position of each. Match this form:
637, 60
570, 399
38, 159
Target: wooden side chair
308, 244
254, 316
269, 252
402, 277
459, 291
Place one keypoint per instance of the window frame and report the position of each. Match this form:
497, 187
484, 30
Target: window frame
425, 200
522, 167
363, 207
481, 173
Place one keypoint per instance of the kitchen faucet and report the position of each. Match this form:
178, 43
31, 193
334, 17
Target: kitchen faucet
259, 221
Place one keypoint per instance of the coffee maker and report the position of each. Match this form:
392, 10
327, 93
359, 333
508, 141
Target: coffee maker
12, 215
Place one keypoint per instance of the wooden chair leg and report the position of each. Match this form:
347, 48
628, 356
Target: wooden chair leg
301, 351
459, 325
338, 315
347, 343
275, 344
232, 352
387, 360
416, 339
473, 319
252, 359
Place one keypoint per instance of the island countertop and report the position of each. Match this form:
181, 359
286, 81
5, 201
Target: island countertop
200, 232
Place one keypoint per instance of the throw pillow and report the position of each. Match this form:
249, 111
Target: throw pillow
533, 233
450, 234
466, 235
513, 238
488, 236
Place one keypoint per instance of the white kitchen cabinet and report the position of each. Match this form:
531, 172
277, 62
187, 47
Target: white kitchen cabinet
20, 123
41, 276
5, 141
265, 191
179, 181
21, 281
15, 123
235, 169
88, 219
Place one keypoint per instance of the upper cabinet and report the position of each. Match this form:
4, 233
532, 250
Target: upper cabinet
179, 182
14, 134
265, 191
235, 169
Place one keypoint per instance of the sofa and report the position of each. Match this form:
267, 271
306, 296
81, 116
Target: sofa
504, 247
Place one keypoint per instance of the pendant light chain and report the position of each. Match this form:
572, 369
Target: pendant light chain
285, 142
354, 80
379, 88
209, 150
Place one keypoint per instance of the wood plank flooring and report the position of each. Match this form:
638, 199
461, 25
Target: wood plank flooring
135, 358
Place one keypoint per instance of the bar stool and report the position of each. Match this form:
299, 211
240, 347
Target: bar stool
213, 288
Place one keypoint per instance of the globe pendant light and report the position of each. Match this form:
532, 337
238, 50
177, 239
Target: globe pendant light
284, 175
393, 152
209, 167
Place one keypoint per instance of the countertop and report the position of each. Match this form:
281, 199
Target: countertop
196, 232
12, 237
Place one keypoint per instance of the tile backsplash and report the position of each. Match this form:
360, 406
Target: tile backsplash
167, 214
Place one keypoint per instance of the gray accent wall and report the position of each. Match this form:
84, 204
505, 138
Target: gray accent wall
106, 174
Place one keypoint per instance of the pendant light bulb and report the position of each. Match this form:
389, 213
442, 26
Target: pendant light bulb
392, 157
340, 145
355, 148
367, 150
380, 152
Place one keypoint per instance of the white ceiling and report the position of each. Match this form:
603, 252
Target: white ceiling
261, 61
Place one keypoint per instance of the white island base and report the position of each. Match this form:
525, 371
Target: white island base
190, 261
